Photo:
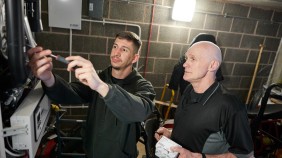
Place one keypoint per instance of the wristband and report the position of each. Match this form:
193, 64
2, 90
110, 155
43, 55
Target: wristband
203, 155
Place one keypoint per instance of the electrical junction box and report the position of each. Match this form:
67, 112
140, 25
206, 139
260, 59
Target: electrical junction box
96, 9
31, 117
65, 13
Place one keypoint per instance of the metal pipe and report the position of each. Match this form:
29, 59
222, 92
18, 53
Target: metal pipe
15, 40
137, 2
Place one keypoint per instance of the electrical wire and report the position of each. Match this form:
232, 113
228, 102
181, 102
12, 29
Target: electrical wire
14, 154
11, 148
9, 145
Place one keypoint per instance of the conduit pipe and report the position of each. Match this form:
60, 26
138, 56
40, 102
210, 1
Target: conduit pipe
137, 2
16, 41
70, 52
149, 39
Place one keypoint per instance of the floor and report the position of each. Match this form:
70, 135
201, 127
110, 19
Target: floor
141, 149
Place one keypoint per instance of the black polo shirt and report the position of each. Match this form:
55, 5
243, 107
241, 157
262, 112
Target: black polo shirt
214, 122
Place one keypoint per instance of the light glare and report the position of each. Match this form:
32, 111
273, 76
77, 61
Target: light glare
183, 10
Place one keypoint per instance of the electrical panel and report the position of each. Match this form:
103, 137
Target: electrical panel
31, 117
65, 13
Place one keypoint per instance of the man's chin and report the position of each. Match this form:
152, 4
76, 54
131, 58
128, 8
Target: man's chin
115, 67
187, 79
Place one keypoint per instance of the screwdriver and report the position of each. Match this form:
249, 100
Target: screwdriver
62, 59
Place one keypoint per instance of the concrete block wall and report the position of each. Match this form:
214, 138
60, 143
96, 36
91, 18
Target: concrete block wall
239, 29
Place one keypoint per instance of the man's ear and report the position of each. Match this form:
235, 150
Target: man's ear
135, 58
214, 65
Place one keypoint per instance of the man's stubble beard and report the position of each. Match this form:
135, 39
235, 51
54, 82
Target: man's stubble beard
118, 68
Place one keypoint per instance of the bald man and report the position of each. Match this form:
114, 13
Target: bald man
209, 121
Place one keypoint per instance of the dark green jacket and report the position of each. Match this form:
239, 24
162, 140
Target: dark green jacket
112, 126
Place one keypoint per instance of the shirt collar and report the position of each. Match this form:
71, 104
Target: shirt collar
203, 98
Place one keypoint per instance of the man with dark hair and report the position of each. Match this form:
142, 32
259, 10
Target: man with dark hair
119, 97
176, 79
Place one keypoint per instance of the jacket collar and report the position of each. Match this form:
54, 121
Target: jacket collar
126, 80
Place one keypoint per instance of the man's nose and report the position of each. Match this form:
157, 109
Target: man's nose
185, 64
116, 52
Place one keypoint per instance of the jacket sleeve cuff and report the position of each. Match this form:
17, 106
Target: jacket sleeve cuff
110, 94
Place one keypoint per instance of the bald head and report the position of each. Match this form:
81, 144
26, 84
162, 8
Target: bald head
207, 50
203, 59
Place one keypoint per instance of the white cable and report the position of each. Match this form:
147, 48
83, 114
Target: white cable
10, 146
13, 154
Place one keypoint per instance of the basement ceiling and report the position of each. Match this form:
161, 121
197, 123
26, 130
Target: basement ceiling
270, 4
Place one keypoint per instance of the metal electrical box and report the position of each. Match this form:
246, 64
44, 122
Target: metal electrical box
65, 13
96, 9
31, 118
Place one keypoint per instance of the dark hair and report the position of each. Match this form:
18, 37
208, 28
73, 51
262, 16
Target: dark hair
203, 37
131, 36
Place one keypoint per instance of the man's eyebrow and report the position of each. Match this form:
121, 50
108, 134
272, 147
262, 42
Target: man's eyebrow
122, 46
125, 47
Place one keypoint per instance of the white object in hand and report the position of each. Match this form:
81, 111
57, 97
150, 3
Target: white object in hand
163, 148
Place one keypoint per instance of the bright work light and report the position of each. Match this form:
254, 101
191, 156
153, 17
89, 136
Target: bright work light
183, 10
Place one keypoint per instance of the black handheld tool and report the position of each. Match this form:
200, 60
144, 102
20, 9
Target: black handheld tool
61, 59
